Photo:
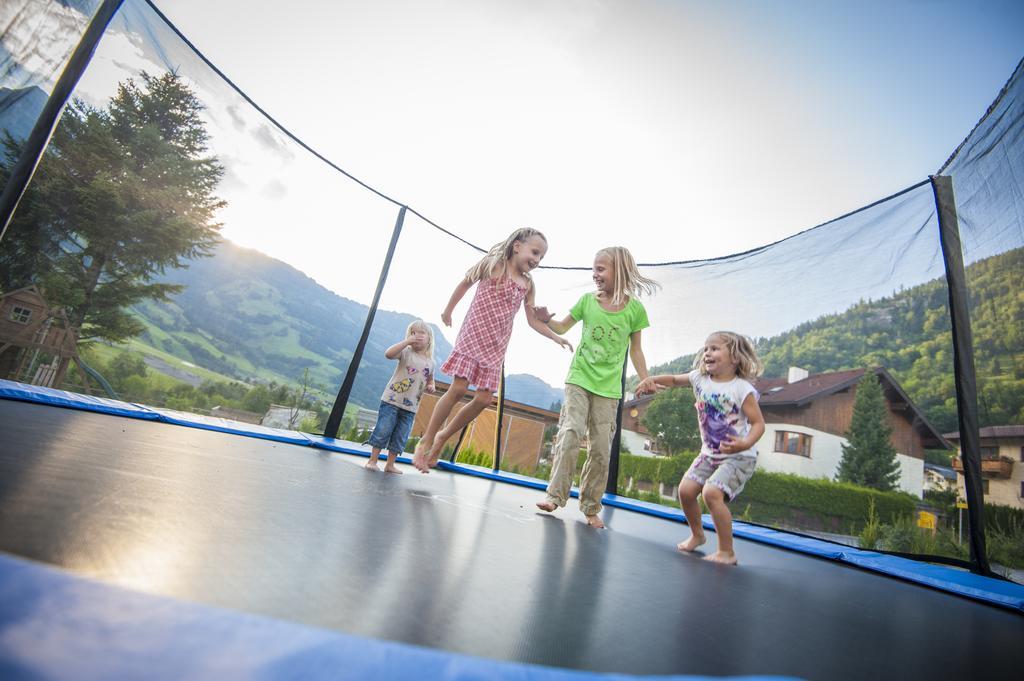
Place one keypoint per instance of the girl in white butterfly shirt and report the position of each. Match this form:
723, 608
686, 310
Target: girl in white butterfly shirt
730, 426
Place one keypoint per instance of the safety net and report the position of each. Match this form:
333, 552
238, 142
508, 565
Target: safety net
195, 255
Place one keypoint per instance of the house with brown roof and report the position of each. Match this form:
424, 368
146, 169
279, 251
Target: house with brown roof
1002, 465
806, 417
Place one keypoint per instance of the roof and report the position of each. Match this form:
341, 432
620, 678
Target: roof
991, 432
945, 471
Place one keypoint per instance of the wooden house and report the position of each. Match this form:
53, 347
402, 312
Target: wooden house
36, 341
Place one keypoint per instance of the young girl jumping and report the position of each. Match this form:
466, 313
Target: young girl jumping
730, 426
503, 284
413, 375
612, 320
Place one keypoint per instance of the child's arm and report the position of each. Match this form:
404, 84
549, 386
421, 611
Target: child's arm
540, 327
460, 290
559, 327
636, 355
661, 381
752, 410
396, 350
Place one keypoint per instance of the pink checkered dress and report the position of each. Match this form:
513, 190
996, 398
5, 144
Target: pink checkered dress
480, 346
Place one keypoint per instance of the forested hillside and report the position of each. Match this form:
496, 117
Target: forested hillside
909, 334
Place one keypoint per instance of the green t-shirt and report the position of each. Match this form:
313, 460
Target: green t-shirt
597, 364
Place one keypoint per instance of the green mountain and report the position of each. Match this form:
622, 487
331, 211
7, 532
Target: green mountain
246, 315
909, 334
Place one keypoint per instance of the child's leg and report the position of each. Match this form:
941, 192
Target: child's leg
594, 479
441, 411
572, 423
715, 498
389, 465
480, 401
374, 455
399, 437
387, 415
722, 486
688, 491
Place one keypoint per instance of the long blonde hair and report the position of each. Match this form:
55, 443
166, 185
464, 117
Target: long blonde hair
420, 325
741, 349
495, 263
628, 280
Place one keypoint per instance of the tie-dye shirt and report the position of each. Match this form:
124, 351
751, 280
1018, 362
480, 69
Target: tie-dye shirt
409, 381
720, 412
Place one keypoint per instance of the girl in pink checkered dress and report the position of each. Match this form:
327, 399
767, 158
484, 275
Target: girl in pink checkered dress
503, 284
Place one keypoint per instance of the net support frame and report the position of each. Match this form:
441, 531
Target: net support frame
612, 484
38, 139
497, 426
341, 401
963, 368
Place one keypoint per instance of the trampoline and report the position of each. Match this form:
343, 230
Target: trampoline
452, 562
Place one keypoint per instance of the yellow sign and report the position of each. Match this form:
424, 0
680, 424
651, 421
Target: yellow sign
960, 503
926, 520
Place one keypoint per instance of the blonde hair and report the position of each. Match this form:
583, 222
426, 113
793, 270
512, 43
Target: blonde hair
495, 263
628, 280
419, 324
741, 349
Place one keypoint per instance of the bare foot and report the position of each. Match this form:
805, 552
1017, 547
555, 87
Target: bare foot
692, 543
419, 456
391, 469
371, 464
724, 557
595, 522
547, 506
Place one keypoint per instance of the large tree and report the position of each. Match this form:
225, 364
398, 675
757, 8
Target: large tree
122, 194
869, 459
672, 419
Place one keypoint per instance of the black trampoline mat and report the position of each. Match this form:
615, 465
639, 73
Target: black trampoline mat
457, 563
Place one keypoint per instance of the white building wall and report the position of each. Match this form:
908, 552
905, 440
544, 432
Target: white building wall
826, 453
635, 442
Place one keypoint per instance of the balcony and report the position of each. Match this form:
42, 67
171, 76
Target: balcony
997, 467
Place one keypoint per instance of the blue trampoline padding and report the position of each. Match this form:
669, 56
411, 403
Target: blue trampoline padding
12, 390
54, 625
986, 589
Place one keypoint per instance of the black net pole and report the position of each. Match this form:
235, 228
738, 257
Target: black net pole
612, 486
458, 443
501, 414
963, 368
34, 146
341, 401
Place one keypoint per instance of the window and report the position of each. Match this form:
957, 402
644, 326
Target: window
792, 443
989, 453
20, 315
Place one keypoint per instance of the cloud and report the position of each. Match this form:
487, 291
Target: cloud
272, 141
236, 118
275, 189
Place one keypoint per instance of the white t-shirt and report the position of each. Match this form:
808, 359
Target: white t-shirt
409, 381
720, 412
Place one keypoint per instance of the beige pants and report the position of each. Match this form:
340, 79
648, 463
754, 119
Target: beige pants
583, 412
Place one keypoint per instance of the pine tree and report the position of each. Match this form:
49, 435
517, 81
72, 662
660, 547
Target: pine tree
122, 194
869, 459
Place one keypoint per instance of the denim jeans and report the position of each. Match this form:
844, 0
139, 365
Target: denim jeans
392, 429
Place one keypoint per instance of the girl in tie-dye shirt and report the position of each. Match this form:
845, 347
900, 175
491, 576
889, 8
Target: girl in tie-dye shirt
730, 426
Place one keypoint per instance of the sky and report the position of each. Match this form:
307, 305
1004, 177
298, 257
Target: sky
682, 130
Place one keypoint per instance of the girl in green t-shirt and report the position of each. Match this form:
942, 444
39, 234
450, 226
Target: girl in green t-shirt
612, 320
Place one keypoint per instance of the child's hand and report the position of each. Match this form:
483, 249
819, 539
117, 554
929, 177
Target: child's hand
564, 343
446, 317
731, 445
646, 386
542, 314
431, 388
